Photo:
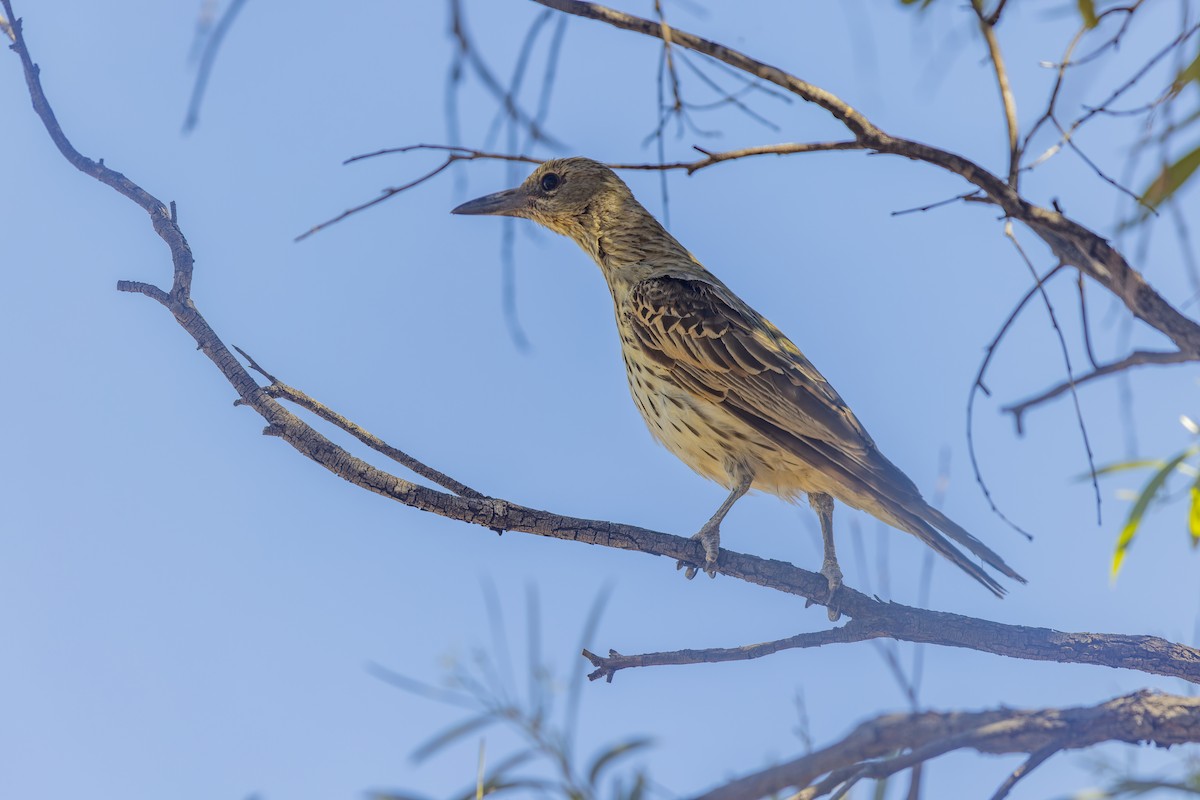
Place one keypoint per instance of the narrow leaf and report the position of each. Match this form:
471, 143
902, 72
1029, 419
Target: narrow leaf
608, 757
1087, 12
1122, 466
451, 734
1194, 515
1149, 492
1186, 75
1173, 176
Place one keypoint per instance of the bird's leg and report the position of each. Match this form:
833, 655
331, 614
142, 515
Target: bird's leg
823, 505
709, 534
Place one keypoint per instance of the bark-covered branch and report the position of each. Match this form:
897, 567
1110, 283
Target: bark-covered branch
870, 617
888, 744
1073, 243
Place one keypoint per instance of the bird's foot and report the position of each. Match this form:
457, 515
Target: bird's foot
710, 537
833, 575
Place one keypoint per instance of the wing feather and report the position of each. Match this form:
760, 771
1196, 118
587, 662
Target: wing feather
706, 336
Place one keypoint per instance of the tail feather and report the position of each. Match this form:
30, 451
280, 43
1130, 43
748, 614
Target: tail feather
914, 524
956, 532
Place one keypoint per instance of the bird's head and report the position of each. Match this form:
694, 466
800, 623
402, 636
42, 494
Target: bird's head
570, 196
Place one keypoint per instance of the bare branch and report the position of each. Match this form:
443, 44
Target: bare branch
1071, 242
280, 390
1066, 355
867, 751
871, 618
987, 26
980, 386
1138, 358
1035, 760
470, 154
608, 667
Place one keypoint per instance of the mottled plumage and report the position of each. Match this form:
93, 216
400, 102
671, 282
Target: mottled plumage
720, 386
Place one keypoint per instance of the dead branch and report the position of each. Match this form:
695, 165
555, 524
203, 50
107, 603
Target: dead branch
1138, 358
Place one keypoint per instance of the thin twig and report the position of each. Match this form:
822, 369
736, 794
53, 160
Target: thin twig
607, 667
1035, 760
987, 26
280, 390
1137, 358
1066, 354
980, 386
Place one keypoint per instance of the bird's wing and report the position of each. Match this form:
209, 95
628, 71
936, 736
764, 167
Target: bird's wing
719, 347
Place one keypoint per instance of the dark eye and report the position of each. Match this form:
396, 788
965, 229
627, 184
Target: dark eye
550, 182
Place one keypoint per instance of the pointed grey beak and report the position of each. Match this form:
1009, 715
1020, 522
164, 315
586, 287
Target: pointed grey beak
508, 203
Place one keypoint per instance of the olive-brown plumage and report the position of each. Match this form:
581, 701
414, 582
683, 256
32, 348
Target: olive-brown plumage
720, 386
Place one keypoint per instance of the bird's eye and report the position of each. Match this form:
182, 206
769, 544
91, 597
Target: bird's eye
550, 182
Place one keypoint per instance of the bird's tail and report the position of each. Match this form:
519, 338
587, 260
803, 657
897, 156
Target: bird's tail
921, 519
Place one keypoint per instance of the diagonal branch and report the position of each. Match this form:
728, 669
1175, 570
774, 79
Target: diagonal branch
280, 390
1137, 358
1072, 243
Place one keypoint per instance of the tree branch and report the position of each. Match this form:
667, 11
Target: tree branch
1144, 716
987, 26
871, 618
1071, 242
1137, 358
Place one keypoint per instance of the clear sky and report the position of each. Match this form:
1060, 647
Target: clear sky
188, 607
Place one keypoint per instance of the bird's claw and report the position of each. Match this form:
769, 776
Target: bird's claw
833, 576
710, 537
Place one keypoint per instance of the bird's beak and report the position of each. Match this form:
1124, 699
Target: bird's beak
509, 203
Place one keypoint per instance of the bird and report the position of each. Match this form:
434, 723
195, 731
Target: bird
719, 385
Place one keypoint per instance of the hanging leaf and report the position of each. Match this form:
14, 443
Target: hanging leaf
606, 758
1186, 75
1134, 521
1194, 515
1087, 11
1173, 176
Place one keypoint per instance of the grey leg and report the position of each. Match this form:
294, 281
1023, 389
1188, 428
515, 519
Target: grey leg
823, 505
710, 534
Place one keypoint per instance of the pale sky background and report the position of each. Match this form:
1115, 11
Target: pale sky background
189, 608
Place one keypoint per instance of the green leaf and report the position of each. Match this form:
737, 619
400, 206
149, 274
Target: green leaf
1194, 515
495, 786
1087, 11
608, 757
451, 734
1173, 176
1186, 75
1134, 520
1122, 466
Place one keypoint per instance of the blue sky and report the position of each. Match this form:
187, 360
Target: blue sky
189, 607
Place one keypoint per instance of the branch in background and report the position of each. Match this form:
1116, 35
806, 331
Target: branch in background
213, 37
869, 751
468, 52
471, 154
987, 26
1137, 358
